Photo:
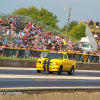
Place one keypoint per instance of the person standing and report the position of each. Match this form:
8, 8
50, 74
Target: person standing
87, 22
57, 47
91, 24
97, 25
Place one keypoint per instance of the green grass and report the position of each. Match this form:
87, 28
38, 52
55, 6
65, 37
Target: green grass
37, 59
18, 58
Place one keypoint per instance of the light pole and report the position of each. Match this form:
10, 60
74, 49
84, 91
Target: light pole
67, 24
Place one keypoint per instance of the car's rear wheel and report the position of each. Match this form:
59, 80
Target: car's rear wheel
60, 71
38, 71
71, 72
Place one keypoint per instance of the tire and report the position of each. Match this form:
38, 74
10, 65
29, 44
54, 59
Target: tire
71, 72
50, 72
60, 71
38, 71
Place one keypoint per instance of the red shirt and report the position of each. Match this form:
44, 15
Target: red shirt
30, 25
28, 33
24, 38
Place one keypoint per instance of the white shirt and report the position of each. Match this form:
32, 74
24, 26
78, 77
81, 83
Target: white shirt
95, 35
8, 32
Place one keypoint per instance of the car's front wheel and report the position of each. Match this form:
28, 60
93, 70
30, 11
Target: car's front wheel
38, 71
71, 72
60, 71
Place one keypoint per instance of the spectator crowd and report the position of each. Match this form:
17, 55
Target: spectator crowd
94, 26
35, 37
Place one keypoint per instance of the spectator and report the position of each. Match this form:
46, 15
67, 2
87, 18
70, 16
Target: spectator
98, 43
69, 43
38, 52
57, 48
91, 24
87, 22
1, 22
95, 35
97, 25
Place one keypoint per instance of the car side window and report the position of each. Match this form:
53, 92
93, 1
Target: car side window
65, 56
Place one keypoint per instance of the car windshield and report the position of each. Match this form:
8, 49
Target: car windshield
54, 55
86, 45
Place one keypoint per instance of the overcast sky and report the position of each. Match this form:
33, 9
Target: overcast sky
81, 10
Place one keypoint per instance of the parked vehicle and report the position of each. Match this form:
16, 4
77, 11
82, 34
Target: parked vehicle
85, 44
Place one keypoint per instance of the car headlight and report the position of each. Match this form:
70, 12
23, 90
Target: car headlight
38, 62
55, 63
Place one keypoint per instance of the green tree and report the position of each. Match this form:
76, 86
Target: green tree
42, 15
78, 31
21, 11
71, 25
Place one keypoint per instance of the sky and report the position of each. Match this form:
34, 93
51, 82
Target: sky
81, 10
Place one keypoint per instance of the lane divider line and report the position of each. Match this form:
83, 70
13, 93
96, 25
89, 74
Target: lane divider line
48, 77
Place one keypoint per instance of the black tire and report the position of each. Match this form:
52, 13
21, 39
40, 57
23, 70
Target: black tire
50, 72
71, 72
60, 71
38, 71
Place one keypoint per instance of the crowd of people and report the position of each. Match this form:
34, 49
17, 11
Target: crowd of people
95, 30
35, 37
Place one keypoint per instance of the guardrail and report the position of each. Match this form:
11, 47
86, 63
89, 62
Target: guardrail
34, 53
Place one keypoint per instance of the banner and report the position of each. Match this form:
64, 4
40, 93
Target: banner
85, 58
27, 53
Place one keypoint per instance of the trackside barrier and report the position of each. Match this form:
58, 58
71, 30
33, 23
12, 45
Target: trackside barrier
22, 52
79, 57
34, 53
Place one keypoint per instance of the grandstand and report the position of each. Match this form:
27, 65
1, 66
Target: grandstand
25, 19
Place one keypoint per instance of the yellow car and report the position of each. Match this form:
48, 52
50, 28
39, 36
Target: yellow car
56, 62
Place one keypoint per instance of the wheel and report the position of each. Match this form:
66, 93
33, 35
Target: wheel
60, 71
50, 72
38, 71
71, 72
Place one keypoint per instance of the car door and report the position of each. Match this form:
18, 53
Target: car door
66, 64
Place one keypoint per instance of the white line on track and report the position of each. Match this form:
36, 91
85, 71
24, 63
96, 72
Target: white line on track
43, 88
48, 77
17, 68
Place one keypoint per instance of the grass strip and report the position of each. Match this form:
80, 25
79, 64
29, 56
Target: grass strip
18, 58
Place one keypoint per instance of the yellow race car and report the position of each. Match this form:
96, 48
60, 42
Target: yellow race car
56, 62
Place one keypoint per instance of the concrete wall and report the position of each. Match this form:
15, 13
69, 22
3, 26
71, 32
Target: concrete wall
17, 63
32, 64
55, 95
85, 66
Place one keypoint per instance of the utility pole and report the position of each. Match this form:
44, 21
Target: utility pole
67, 24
